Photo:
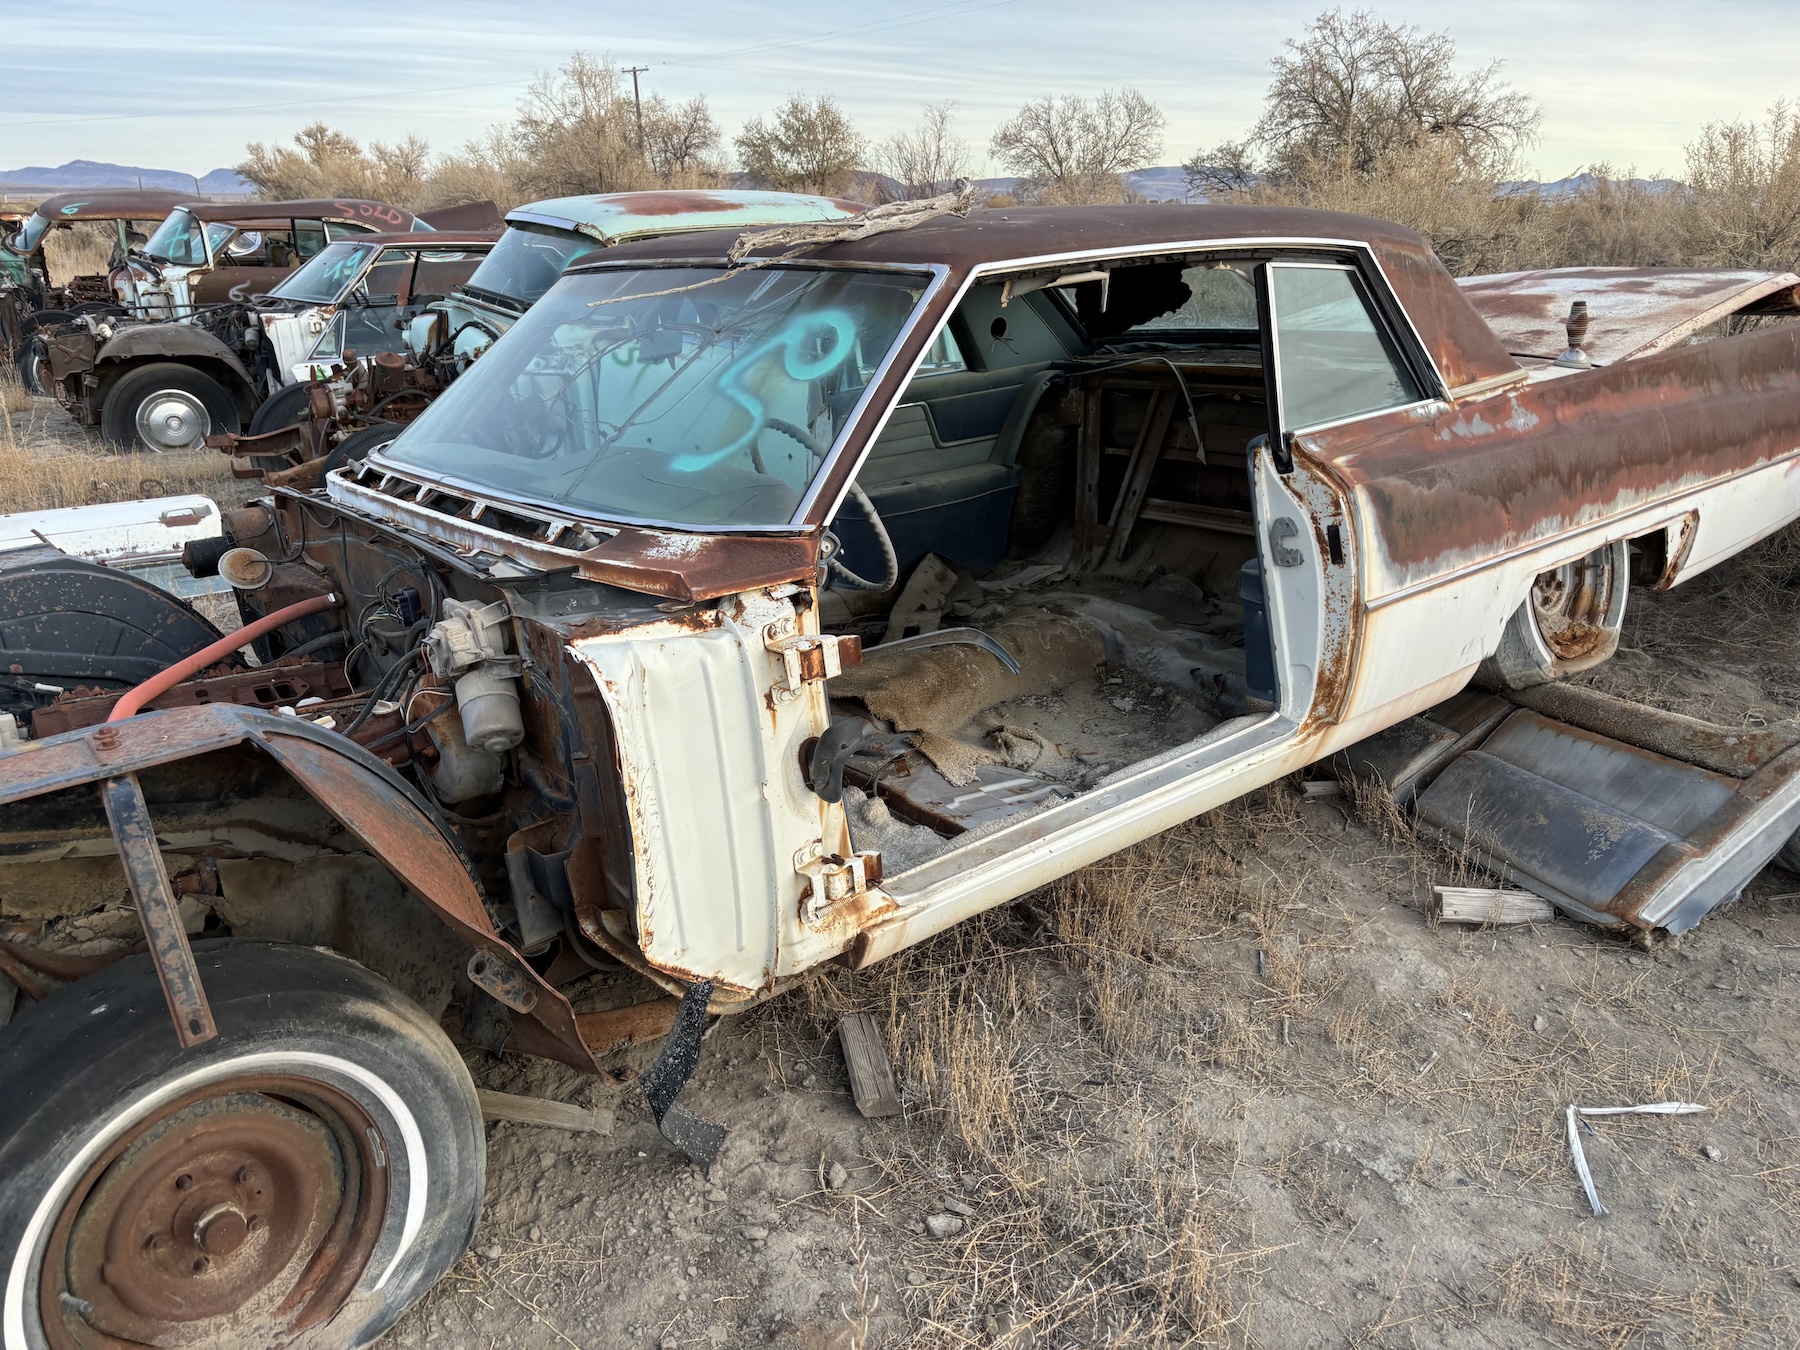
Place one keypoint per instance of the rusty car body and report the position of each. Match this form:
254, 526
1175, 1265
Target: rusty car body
757, 606
169, 384
29, 298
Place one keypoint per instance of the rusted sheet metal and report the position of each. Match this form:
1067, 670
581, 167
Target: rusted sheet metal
1738, 751
1632, 311
380, 215
1443, 488
129, 816
618, 1028
111, 204
656, 562
1721, 856
366, 796
265, 687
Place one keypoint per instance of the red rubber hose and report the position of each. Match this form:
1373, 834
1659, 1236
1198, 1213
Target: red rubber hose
160, 683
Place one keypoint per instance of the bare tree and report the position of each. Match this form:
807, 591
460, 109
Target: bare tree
1074, 149
806, 145
1744, 191
1223, 171
681, 141
576, 131
325, 162
927, 159
1356, 91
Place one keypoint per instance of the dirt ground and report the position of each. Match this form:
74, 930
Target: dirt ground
1231, 1087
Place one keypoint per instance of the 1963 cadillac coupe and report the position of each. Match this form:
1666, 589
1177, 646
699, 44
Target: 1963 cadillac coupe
746, 608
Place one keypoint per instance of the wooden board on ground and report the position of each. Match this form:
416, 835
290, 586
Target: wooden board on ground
1479, 904
539, 1111
871, 1076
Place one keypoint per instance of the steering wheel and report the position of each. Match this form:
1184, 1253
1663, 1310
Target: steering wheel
891, 564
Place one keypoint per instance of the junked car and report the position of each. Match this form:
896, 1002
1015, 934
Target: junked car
540, 240
169, 385
756, 605
29, 298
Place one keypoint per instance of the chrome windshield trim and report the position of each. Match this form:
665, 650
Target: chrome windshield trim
796, 523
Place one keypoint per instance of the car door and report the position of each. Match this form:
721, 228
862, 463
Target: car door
1330, 356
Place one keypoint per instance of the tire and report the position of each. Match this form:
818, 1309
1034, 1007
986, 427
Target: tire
283, 408
358, 444
165, 406
325, 1085
33, 364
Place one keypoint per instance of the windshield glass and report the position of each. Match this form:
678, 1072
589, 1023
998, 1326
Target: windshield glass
322, 280
31, 233
688, 396
527, 261
177, 240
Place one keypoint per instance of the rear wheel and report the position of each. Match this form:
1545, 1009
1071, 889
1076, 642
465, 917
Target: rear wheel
1569, 622
301, 1179
165, 406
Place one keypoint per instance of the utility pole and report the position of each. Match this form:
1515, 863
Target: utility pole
638, 103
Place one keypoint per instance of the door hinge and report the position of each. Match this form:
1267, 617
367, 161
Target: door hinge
834, 878
807, 658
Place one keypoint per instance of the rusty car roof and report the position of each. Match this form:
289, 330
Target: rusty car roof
614, 217
1632, 311
1461, 344
112, 204
333, 208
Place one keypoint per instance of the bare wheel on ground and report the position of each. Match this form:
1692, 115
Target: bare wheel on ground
305, 1176
165, 406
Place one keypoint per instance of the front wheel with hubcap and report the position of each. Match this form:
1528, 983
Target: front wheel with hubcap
165, 406
300, 1179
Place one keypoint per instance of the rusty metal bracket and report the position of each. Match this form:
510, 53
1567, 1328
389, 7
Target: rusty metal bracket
129, 817
507, 978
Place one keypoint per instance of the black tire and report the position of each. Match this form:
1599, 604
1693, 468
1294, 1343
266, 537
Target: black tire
176, 405
283, 408
43, 318
358, 444
33, 364
110, 1134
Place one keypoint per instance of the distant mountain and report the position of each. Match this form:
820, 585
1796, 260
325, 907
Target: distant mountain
88, 173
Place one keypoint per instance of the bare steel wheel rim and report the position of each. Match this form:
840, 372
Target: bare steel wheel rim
173, 419
247, 1211
1571, 604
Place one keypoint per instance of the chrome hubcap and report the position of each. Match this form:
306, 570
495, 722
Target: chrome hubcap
172, 419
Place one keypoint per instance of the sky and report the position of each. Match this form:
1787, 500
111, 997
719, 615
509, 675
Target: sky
1624, 82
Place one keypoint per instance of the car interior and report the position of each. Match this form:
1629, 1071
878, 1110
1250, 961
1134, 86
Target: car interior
1066, 480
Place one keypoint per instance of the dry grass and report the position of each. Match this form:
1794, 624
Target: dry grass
84, 249
46, 460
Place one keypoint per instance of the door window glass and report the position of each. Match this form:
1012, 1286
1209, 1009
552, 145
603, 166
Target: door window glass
309, 237
1334, 357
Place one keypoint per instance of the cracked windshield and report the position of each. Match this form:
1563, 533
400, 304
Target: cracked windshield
688, 396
